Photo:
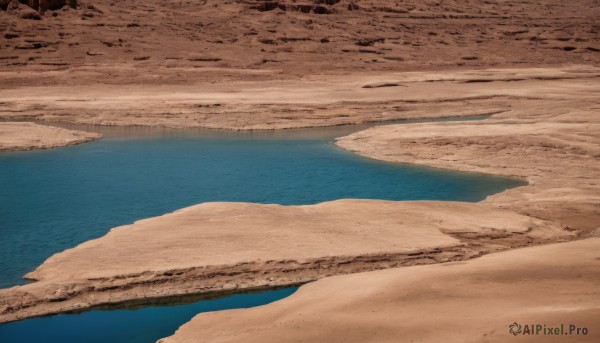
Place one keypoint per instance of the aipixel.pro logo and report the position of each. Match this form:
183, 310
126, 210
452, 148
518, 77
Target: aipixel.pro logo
516, 329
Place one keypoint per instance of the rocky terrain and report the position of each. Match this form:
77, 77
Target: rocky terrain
282, 64
186, 42
31, 6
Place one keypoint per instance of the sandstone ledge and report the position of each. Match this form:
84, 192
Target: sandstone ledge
214, 247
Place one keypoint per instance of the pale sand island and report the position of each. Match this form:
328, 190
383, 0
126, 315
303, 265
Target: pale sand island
18, 136
534, 68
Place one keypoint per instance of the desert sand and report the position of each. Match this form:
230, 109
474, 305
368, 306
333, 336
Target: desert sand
247, 65
27, 136
472, 301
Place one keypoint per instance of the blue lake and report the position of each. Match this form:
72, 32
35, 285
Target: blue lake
55, 199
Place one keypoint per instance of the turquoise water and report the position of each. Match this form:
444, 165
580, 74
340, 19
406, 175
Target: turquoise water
143, 325
55, 199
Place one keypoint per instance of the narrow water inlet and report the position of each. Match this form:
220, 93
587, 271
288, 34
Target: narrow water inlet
138, 325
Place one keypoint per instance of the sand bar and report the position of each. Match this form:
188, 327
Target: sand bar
214, 247
16, 136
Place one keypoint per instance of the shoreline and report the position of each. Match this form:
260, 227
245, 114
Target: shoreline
529, 118
176, 300
546, 179
325, 101
60, 124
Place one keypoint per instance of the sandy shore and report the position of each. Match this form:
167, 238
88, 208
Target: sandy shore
227, 246
472, 301
17, 136
553, 144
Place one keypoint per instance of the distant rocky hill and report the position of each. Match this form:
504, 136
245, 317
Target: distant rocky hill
298, 37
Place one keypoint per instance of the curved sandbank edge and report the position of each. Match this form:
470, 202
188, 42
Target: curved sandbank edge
24, 136
559, 161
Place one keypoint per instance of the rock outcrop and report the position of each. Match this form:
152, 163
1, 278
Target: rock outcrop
23, 12
40, 6
358, 35
317, 7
